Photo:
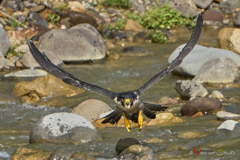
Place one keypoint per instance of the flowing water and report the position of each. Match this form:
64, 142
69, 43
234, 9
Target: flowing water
124, 74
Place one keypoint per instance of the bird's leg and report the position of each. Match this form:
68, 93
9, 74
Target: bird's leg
140, 119
126, 122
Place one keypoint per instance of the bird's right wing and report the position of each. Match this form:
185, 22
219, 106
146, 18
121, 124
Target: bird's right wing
66, 77
175, 63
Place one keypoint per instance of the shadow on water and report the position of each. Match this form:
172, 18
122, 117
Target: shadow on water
124, 74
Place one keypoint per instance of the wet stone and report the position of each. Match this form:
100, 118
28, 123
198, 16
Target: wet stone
189, 89
61, 153
135, 51
229, 128
63, 128
125, 143
202, 104
222, 115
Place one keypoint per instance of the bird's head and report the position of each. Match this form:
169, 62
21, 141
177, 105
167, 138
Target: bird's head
127, 99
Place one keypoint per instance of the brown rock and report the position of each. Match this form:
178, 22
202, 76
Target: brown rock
81, 156
202, 104
46, 12
91, 109
191, 134
125, 143
167, 100
18, 37
45, 86
234, 41
154, 140
211, 15
30, 154
131, 25
164, 119
76, 6
229, 39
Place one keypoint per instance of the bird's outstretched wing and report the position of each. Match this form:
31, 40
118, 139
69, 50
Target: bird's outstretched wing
47, 65
188, 47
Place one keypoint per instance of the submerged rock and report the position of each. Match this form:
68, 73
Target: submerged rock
229, 128
61, 153
91, 109
63, 128
135, 51
26, 153
192, 134
189, 89
221, 70
46, 86
79, 43
125, 143
198, 56
223, 115
202, 104
26, 73
164, 119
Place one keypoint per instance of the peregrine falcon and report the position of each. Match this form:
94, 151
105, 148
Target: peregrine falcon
128, 104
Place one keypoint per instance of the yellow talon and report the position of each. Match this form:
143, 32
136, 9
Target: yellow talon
126, 122
140, 119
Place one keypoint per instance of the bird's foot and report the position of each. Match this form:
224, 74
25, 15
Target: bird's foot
127, 123
140, 119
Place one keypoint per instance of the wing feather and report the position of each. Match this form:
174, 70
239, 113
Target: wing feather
175, 63
68, 78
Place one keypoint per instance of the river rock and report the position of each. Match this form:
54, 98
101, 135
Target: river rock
19, 37
189, 89
212, 15
135, 51
98, 19
79, 43
37, 19
46, 86
237, 19
223, 115
221, 70
136, 150
181, 5
27, 73
8, 64
164, 119
203, 3
125, 143
132, 25
26, 153
191, 134
229, 129
63, 128
217, 95
198, 56
29, 62
61, 153
202, 104
4, 42
76, 6
91, 109
229, 6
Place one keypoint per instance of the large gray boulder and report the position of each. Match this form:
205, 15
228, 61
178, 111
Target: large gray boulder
198, 56
64, 128
221, 70
79, 43
4, 45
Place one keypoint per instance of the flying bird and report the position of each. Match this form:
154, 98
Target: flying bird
128, 104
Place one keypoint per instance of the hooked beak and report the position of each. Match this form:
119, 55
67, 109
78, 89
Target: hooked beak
127, 103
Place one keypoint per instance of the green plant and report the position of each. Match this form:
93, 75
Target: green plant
157, 37
164, 17
12, 52
53, 19
120, 24
62, 6
14, 23
126, 4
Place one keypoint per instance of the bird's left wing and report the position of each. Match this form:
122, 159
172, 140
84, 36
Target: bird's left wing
188, 47
47, 65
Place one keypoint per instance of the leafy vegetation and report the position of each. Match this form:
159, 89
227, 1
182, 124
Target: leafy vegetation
157, 18
53, 19
12, 52
126, 4
14, 23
